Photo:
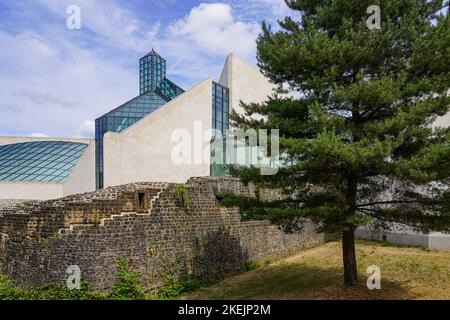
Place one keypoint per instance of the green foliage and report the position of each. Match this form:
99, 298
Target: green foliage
256, 209
251, 265
127, 286
258, 192
181, 193
10, 291
268, 260
386, 243
61, 292
175, 288
256, 264
360, 127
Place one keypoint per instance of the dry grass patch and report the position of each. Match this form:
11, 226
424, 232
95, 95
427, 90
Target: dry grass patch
407, 273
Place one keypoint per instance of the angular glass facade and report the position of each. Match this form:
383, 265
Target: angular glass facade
220, 104
169, 90
40, 161
220, 124
155, 91
152, 77
152, 71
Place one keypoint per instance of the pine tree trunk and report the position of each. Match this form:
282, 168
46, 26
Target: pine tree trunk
349, 258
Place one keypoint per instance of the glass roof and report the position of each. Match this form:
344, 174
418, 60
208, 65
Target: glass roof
139, 107
40, 161
169, 90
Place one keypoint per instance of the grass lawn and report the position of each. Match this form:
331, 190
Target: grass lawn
406, 273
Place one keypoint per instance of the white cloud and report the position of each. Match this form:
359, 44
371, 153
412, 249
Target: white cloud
39, 135
278, 8
111, 22
214, 29
87, 129
45, 97
53, 79
258, 10
57, 86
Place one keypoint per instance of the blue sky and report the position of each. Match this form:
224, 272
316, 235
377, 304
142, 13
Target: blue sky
55, 81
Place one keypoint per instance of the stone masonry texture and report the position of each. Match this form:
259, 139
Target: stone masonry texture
147, 225
8, 203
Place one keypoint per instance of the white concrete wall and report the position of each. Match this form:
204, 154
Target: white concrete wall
245, 82
82, 176
143, 151
248, 85
405, 235
439, 241
31, 190
434, 240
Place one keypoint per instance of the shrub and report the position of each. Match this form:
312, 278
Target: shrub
182, 195
269, 260
52, 291
9, 290
386, 243
258, 192
127, 286
175, 288
251, 265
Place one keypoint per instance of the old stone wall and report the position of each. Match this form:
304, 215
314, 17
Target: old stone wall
8, 203
144, 223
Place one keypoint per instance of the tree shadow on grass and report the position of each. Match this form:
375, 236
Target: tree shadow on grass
299, 282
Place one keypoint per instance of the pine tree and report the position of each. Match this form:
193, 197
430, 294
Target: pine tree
357, 140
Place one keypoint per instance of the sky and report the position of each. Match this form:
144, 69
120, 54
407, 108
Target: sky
55, 81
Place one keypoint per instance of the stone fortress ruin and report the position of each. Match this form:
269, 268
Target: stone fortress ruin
146, 224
